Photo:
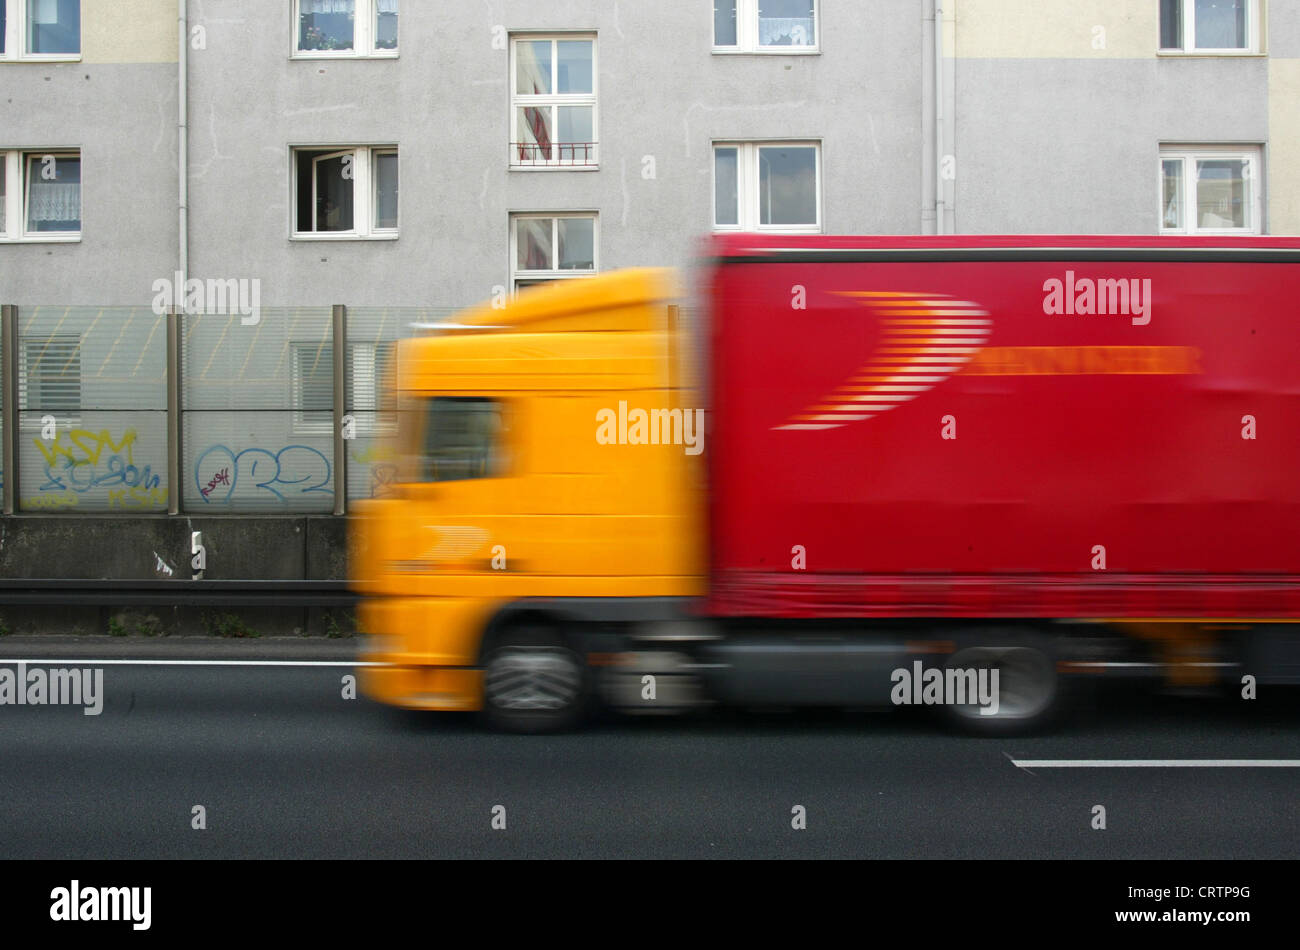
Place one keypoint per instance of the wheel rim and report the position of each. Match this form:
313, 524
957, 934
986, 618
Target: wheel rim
1025, 680
539, 679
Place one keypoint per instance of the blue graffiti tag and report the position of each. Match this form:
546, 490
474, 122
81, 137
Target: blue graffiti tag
295, 468
81, 477
77, 461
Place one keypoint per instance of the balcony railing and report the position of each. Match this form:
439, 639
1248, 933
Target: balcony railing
554, 153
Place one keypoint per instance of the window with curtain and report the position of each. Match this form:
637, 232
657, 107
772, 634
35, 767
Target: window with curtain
786, 23
1228, 26
386, 24
759, 25
326, 24
347, 27
53, 193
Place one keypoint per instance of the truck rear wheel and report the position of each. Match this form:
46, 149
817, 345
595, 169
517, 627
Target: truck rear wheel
1027, 694
533, 682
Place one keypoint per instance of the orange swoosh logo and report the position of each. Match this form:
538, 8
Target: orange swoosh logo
926, 338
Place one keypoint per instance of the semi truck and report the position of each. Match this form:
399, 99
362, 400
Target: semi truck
847, 471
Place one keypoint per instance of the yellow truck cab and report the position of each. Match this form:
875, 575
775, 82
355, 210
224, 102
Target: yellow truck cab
531, 509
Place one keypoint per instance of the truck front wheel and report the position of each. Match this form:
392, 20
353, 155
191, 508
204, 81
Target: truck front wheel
533, 682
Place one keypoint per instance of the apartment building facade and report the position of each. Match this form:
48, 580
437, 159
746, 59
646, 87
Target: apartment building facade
405, 158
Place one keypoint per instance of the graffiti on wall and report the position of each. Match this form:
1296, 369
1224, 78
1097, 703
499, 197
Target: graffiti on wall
261, 474
382, 462
78, 462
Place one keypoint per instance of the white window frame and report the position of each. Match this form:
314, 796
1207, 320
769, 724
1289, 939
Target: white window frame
13, 226
516, 275
747, 32
1189, 155
364, 185
747, 186
366, 383
367, 386
553, 101
363, 35
1189, 47
16, 38
302, 425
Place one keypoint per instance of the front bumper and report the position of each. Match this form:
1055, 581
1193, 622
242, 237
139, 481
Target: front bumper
424, 687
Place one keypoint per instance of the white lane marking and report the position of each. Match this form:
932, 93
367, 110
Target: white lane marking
75, 662
1156, 763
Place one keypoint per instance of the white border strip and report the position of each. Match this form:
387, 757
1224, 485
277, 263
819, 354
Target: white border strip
1156, 763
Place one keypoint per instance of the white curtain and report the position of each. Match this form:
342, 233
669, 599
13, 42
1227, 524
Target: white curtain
54, 201
329, 6
344, 6
772, 29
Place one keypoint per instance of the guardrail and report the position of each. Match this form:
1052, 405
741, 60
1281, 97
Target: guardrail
179, 593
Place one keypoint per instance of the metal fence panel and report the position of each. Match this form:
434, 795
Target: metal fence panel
92, 398
257, 426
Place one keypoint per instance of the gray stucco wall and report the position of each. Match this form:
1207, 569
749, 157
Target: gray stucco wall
445, 103
1072, 146
123, 118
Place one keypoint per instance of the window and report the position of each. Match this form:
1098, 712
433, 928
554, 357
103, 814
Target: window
1209, 26
51, 373
346, 192
368, 366
553, 101
1210, 190
546, 247
759, 26
40, 196
40, 29
463, 438
348, 28
313, 383
766, 186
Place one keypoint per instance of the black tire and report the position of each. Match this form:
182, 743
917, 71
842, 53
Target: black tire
534, 682
1030, 691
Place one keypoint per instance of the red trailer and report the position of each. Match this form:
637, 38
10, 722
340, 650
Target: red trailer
1019, 431
954, 427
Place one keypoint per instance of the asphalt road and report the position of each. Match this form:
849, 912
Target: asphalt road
285, 767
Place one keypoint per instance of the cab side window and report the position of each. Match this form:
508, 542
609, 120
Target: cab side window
463, 438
